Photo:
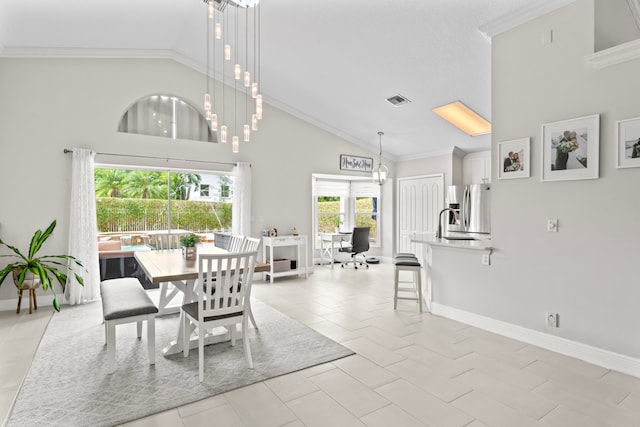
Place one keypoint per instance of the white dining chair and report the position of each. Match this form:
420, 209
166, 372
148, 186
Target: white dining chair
250, 244
235, 243
222, 302
162, 241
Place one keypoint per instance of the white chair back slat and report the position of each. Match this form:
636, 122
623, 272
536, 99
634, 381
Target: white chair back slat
166, 240
250, 244
235, 243
233, 277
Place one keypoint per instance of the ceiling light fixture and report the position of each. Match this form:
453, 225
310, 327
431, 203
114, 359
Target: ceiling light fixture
226, 40
381, 172
464, 118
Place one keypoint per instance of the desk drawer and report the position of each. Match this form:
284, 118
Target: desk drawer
284, 241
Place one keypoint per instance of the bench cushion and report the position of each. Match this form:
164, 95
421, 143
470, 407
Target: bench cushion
125, 297
407, 262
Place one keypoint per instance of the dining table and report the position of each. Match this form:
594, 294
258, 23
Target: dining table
169, 267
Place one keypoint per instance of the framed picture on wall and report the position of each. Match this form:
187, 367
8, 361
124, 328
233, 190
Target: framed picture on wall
514, 160
628, 137
571, 149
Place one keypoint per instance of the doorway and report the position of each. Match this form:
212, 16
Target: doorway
420, 199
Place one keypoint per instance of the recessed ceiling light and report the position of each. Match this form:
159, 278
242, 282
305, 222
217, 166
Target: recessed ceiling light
398, 100
464, 118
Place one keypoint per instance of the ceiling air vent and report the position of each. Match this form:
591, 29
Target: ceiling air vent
398, 100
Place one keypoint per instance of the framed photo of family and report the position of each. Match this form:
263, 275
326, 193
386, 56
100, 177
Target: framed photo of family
514, 160
628, 137
571, 149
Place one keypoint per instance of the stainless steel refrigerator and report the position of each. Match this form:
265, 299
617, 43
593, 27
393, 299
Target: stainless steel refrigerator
473, 202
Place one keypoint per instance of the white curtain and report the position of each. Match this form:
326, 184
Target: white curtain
241, 211
83, 229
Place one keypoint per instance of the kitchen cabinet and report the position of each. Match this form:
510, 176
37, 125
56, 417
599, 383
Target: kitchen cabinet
476, 168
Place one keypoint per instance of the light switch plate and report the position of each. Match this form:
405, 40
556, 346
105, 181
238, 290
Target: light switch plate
552, 225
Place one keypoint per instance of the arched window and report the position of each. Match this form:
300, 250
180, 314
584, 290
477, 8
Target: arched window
167, 116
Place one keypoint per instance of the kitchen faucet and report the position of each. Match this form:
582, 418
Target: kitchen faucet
455, 214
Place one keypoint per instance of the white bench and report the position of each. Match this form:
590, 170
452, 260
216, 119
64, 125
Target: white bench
124, 300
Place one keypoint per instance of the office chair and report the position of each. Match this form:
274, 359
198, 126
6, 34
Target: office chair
359, 245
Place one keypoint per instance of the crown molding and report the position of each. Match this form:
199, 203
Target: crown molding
455, 151
614, 55
519, 17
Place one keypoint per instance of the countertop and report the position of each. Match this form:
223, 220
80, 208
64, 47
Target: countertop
482, 242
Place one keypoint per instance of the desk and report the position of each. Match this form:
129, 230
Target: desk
169, 266
328, 244
299, 242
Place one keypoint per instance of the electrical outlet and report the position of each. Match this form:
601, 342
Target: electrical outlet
485, 259
552, 225
553, 320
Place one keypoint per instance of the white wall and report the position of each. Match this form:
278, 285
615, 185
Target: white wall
587, 272
47, 105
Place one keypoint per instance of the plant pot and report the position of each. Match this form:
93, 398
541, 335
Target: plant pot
189, 252
30, 280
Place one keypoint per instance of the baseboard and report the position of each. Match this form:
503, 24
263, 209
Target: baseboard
12, 304
597, 356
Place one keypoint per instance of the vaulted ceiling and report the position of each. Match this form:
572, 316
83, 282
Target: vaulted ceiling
330, 62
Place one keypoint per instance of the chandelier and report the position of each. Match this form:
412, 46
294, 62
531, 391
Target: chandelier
381, 172
233, 52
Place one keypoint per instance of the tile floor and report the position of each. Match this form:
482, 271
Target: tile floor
411, 369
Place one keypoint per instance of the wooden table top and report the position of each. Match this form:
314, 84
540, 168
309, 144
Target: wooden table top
169, 265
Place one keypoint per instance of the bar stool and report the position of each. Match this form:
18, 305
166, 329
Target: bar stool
407, 262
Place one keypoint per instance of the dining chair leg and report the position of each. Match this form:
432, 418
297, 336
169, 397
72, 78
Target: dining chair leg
151, 338
185, 336
245, 342
201, 356
253, 320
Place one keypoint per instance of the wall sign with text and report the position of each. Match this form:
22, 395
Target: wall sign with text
355, 163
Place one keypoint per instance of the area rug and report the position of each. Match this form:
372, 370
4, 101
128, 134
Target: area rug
68, 384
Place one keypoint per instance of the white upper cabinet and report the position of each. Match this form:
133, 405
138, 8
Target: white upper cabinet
476, 167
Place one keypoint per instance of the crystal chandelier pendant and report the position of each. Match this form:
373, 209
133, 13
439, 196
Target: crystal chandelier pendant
246, 133
227, 52
218, 30
254, 90
247, 79
237, 72
207, 102
214, 122
259, 106
223, 133
212, 11
235, 147
254, 122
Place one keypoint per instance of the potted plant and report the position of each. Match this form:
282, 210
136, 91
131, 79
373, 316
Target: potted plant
30, 267
188, 242
338, 222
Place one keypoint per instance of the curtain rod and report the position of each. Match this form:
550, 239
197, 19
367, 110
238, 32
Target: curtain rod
66, 151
